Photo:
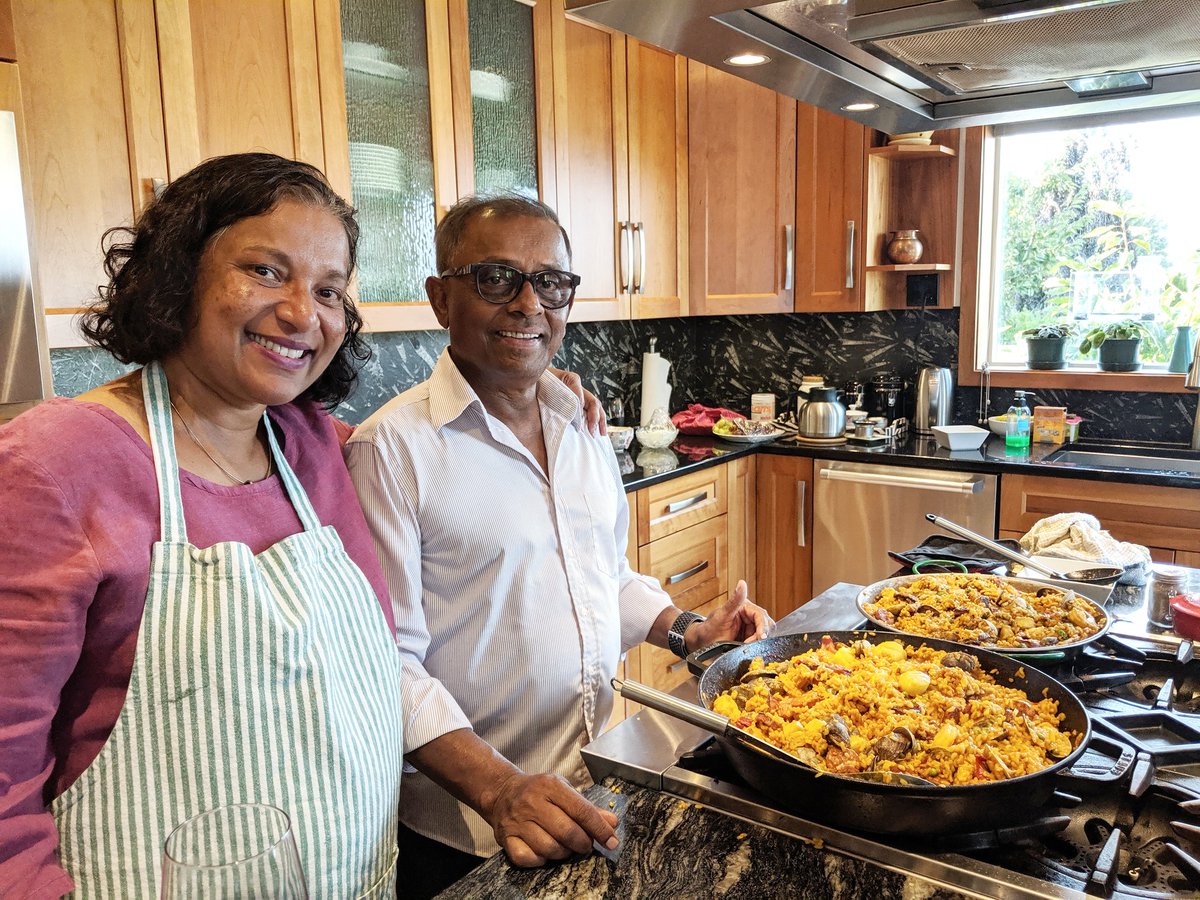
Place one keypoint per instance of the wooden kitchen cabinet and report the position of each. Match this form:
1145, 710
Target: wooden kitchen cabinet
621, 123
123, 95
1164, 519
830, 211
741, 195
784, 538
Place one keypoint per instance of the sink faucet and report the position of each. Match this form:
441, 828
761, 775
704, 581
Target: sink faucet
1192, 383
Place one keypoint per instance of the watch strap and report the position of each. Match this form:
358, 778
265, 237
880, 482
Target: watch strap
675, 642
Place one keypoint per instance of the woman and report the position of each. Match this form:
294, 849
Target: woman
143, 679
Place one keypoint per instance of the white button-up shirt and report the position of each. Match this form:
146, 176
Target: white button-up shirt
512, 594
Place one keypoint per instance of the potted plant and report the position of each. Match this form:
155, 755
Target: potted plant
1118, 343
1047, 344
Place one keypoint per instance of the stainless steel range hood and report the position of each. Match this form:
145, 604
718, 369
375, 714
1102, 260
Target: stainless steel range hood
929, 64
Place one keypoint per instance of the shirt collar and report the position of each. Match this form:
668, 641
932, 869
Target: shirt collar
450, 396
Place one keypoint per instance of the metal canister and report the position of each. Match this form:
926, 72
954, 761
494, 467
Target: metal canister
1168, 581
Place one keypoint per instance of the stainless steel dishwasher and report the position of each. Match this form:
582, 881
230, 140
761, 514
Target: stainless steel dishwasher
861, 511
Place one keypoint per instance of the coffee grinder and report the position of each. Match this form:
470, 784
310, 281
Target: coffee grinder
887, 399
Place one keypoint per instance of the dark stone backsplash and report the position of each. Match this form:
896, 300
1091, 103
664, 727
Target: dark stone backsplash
722, 360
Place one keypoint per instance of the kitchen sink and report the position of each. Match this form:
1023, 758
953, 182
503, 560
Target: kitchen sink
1142, 458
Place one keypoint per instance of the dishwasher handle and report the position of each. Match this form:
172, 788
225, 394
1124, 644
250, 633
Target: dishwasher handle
974, 486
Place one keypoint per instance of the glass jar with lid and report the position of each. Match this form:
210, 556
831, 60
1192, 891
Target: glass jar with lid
1168, 581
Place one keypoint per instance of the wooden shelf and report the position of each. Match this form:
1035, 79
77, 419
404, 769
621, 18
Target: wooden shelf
911, 267
913, 151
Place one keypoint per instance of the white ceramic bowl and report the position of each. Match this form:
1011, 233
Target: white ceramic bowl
656, 439
621, 437
999, 425
960, 437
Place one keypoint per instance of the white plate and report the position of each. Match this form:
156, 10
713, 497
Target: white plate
1066, 566
749, 438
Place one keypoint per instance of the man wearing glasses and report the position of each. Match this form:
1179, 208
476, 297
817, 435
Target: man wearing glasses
501, 524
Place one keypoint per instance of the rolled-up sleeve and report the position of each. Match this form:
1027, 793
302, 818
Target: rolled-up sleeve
385, 489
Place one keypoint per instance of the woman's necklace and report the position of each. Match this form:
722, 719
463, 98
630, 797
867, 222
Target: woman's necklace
216, 462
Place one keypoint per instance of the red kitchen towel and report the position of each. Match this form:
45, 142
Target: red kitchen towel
700, 419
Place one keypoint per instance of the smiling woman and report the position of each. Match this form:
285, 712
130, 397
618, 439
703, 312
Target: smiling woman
154, 550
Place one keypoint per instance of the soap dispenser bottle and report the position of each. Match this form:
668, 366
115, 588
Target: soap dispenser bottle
1018, 423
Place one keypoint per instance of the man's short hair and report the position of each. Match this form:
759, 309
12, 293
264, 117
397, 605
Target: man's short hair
450, 230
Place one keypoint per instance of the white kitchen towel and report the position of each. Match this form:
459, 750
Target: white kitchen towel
1079, 536
656, 392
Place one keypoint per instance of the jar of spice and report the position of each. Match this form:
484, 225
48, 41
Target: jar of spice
1168, 581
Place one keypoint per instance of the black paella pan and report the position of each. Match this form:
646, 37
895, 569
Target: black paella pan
902, 809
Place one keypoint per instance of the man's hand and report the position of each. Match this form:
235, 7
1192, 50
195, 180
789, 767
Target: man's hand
593, 412
537, 818
736, 620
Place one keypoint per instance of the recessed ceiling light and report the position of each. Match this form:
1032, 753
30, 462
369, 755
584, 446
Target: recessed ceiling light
860, 107
747, 59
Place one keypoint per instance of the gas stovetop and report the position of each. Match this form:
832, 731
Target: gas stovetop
1124, 821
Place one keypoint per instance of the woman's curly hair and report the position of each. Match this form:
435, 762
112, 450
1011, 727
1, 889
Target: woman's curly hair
146, 310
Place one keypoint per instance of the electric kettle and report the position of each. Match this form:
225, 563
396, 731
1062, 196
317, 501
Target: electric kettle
821, 415
935, 399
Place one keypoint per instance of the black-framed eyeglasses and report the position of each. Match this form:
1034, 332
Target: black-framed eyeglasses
498, 283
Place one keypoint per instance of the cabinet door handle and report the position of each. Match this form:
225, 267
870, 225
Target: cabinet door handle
801, 493
849, 253
789, 236
687, 573
639, 266
625, 253
684, 504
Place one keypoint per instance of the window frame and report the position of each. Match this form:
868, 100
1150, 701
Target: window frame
978, 163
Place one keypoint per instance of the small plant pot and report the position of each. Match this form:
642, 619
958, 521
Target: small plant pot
1047, 353
1120, 355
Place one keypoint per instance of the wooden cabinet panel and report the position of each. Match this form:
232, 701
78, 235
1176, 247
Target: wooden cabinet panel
1154, 516
830, 172
741, 523
621, 117
238, 78
669, 507
656, 108
691, 565
94, 132
8, 40
784, 538
741, 194
631, 541
1189, 558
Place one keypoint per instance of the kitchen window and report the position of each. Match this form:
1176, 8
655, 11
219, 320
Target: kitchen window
1088, 225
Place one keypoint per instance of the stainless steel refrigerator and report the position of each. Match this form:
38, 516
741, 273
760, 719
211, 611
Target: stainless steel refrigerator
24, 353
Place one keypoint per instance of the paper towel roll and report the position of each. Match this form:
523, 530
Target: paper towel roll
656, 391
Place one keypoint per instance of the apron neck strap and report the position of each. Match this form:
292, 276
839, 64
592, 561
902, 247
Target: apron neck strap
173, 528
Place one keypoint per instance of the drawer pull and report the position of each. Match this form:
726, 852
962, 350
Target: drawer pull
801, 490
684, 504
687, 573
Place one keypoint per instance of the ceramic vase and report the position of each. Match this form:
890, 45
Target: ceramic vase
1181, 353
905, 247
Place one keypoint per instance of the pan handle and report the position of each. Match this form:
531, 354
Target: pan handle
672, 706
699, 661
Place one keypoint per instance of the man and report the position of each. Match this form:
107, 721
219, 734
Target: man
501, 525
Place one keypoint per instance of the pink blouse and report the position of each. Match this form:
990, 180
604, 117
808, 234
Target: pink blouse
78, 516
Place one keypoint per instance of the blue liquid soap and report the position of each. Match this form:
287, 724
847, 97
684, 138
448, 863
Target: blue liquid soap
1018, 425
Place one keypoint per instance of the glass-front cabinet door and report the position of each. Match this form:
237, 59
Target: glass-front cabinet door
443, 98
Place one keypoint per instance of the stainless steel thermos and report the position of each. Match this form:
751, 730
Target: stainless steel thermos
935, 398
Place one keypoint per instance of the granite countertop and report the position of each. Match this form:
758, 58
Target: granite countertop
673, 848
641, 468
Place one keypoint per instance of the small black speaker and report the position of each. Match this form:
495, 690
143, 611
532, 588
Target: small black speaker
921, 290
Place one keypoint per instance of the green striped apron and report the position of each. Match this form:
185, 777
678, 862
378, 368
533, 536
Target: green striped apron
257, 679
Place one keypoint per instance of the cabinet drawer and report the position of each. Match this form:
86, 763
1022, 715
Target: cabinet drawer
1152, 515
662, 669
690, 564
669, 507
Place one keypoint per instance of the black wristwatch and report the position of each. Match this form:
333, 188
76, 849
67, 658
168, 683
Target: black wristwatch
675, 642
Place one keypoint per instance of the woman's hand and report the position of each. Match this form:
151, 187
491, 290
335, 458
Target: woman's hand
736, 620
593, 412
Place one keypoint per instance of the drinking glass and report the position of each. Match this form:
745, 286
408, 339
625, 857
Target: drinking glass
245, 851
